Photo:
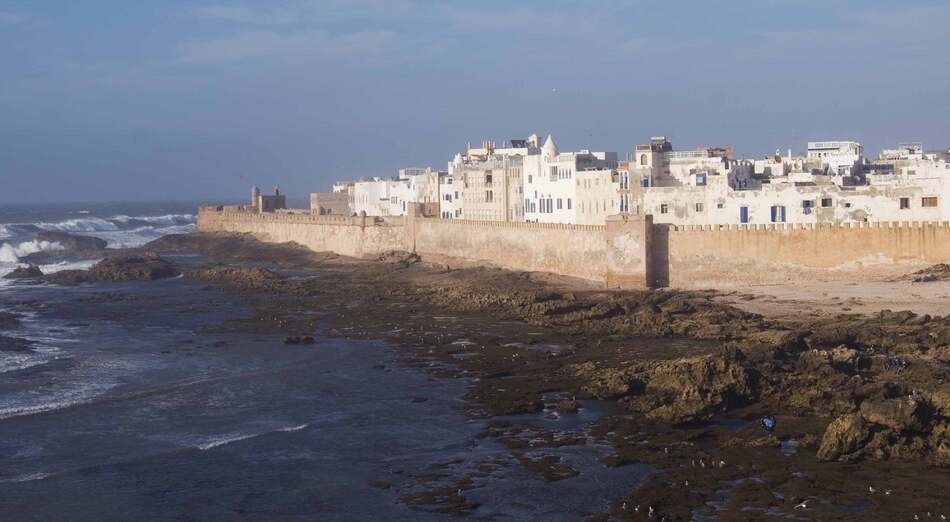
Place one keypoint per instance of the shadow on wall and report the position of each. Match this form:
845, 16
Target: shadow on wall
660, 256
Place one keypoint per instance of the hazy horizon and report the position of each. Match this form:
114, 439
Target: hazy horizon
197, 101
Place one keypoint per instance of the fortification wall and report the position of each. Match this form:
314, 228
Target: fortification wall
628, 252
572, 250
357, 237
738, 255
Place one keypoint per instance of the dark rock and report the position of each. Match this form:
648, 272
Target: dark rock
938, 272
145, 267
25, 272
844, 437
568, 406
399, 257
901, 414
74, 247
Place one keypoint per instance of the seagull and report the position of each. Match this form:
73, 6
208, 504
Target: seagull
722, 463
803, 505
624, 507
686, 484
887, 492
651, 512
702, 464
637, 508
871, 489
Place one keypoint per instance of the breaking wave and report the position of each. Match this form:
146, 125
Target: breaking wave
119, 231
11, 254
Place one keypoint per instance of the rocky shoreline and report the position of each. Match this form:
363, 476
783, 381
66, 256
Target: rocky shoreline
861, 403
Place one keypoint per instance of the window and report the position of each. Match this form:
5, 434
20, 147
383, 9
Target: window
700, 179
664, 208
488, 179
643, 159
807, 203
825, 202
719, 205
569, 203
699, 207
743, 214
905, 203
778, 214
559, 203
911, 172
488, 196
530, 177
645, 182
527, 205
930, 201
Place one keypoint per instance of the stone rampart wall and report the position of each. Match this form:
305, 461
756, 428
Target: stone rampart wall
736, 255
572, 250
357, 237
628, 252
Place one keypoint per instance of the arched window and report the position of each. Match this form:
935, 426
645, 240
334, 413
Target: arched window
643, 159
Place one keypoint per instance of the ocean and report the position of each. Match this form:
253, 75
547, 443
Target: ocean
122, 225
126, 401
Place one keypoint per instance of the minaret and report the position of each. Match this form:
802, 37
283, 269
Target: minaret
255, 195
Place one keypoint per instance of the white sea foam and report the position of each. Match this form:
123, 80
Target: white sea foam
31, 403
228, 438
66, 265
167, 219
291, 429
11, 254
5, 232
80, 225
28, 477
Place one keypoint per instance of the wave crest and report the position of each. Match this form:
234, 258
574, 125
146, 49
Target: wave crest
12, 254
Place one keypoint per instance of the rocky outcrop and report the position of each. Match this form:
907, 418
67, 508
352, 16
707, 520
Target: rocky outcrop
903, 414
843, 438
695, 388
399, 257
242, 276
938, 272
25, 272
603, 383
145, 267
73, 247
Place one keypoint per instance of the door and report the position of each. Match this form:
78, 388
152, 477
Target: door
743, 214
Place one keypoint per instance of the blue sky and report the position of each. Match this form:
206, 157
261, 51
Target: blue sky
116, 100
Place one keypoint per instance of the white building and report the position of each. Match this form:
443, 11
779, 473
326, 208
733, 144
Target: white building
550, 181
391, 197
839, 158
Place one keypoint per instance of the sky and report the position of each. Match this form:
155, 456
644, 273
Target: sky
127, 100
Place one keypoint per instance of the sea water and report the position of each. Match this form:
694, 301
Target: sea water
131, 402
